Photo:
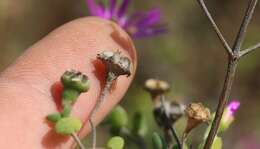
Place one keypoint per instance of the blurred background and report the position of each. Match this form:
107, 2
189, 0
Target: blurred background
189, 56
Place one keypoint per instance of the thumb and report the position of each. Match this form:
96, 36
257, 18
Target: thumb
25, 96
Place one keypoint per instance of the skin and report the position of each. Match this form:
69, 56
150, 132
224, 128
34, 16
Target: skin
26, 85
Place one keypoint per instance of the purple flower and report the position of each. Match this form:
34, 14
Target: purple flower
228, 116
138, 25
232, 107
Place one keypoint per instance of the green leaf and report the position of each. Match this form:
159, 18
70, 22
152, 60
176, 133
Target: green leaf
139, 124
54, 117
68, 125
118, 117
157, 141
116, 143
176, 146
217, 143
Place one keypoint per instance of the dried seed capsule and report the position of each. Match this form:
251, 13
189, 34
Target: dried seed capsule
156, 87
196, 114
115, 63
171, 111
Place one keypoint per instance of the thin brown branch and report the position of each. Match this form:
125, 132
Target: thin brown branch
215, 27
225, 93
77, 139
249, 50
231, 70
243, 28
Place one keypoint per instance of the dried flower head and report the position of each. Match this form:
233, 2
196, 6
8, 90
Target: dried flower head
115, 65
196, 114
169, 111
139, 24
115, 62
156, 87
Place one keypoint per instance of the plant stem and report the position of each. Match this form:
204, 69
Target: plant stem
250, 49
215, 27
231, 70
225, 93
243, 28
77, 139
108, 83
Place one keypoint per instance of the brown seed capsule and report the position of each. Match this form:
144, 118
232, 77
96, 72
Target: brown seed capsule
116, 63
156, 87
171, 111
196, 114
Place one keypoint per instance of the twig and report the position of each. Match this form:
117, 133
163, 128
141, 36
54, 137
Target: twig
243, 28
101, 99
249, 50
170, 125
231, 70
76, 138
215, 27
225, 93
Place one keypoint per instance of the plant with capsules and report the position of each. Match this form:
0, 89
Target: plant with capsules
166, 112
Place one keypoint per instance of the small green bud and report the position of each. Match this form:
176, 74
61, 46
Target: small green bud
116, 143
75, 80
69, 96
54, 117
68, 125
157, 141
139, 124
118, 117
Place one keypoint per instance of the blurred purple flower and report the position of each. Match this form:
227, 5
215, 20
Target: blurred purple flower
138, 25
233, 107
228, 116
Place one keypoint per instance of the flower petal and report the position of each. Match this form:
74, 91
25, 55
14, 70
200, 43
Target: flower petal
94, 8
122, 9
150, 18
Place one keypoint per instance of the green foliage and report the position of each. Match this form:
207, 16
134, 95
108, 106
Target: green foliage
54, 117
115, 143
184, 147
68, 125
139, 124
217, 143
158, 142
118, 118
